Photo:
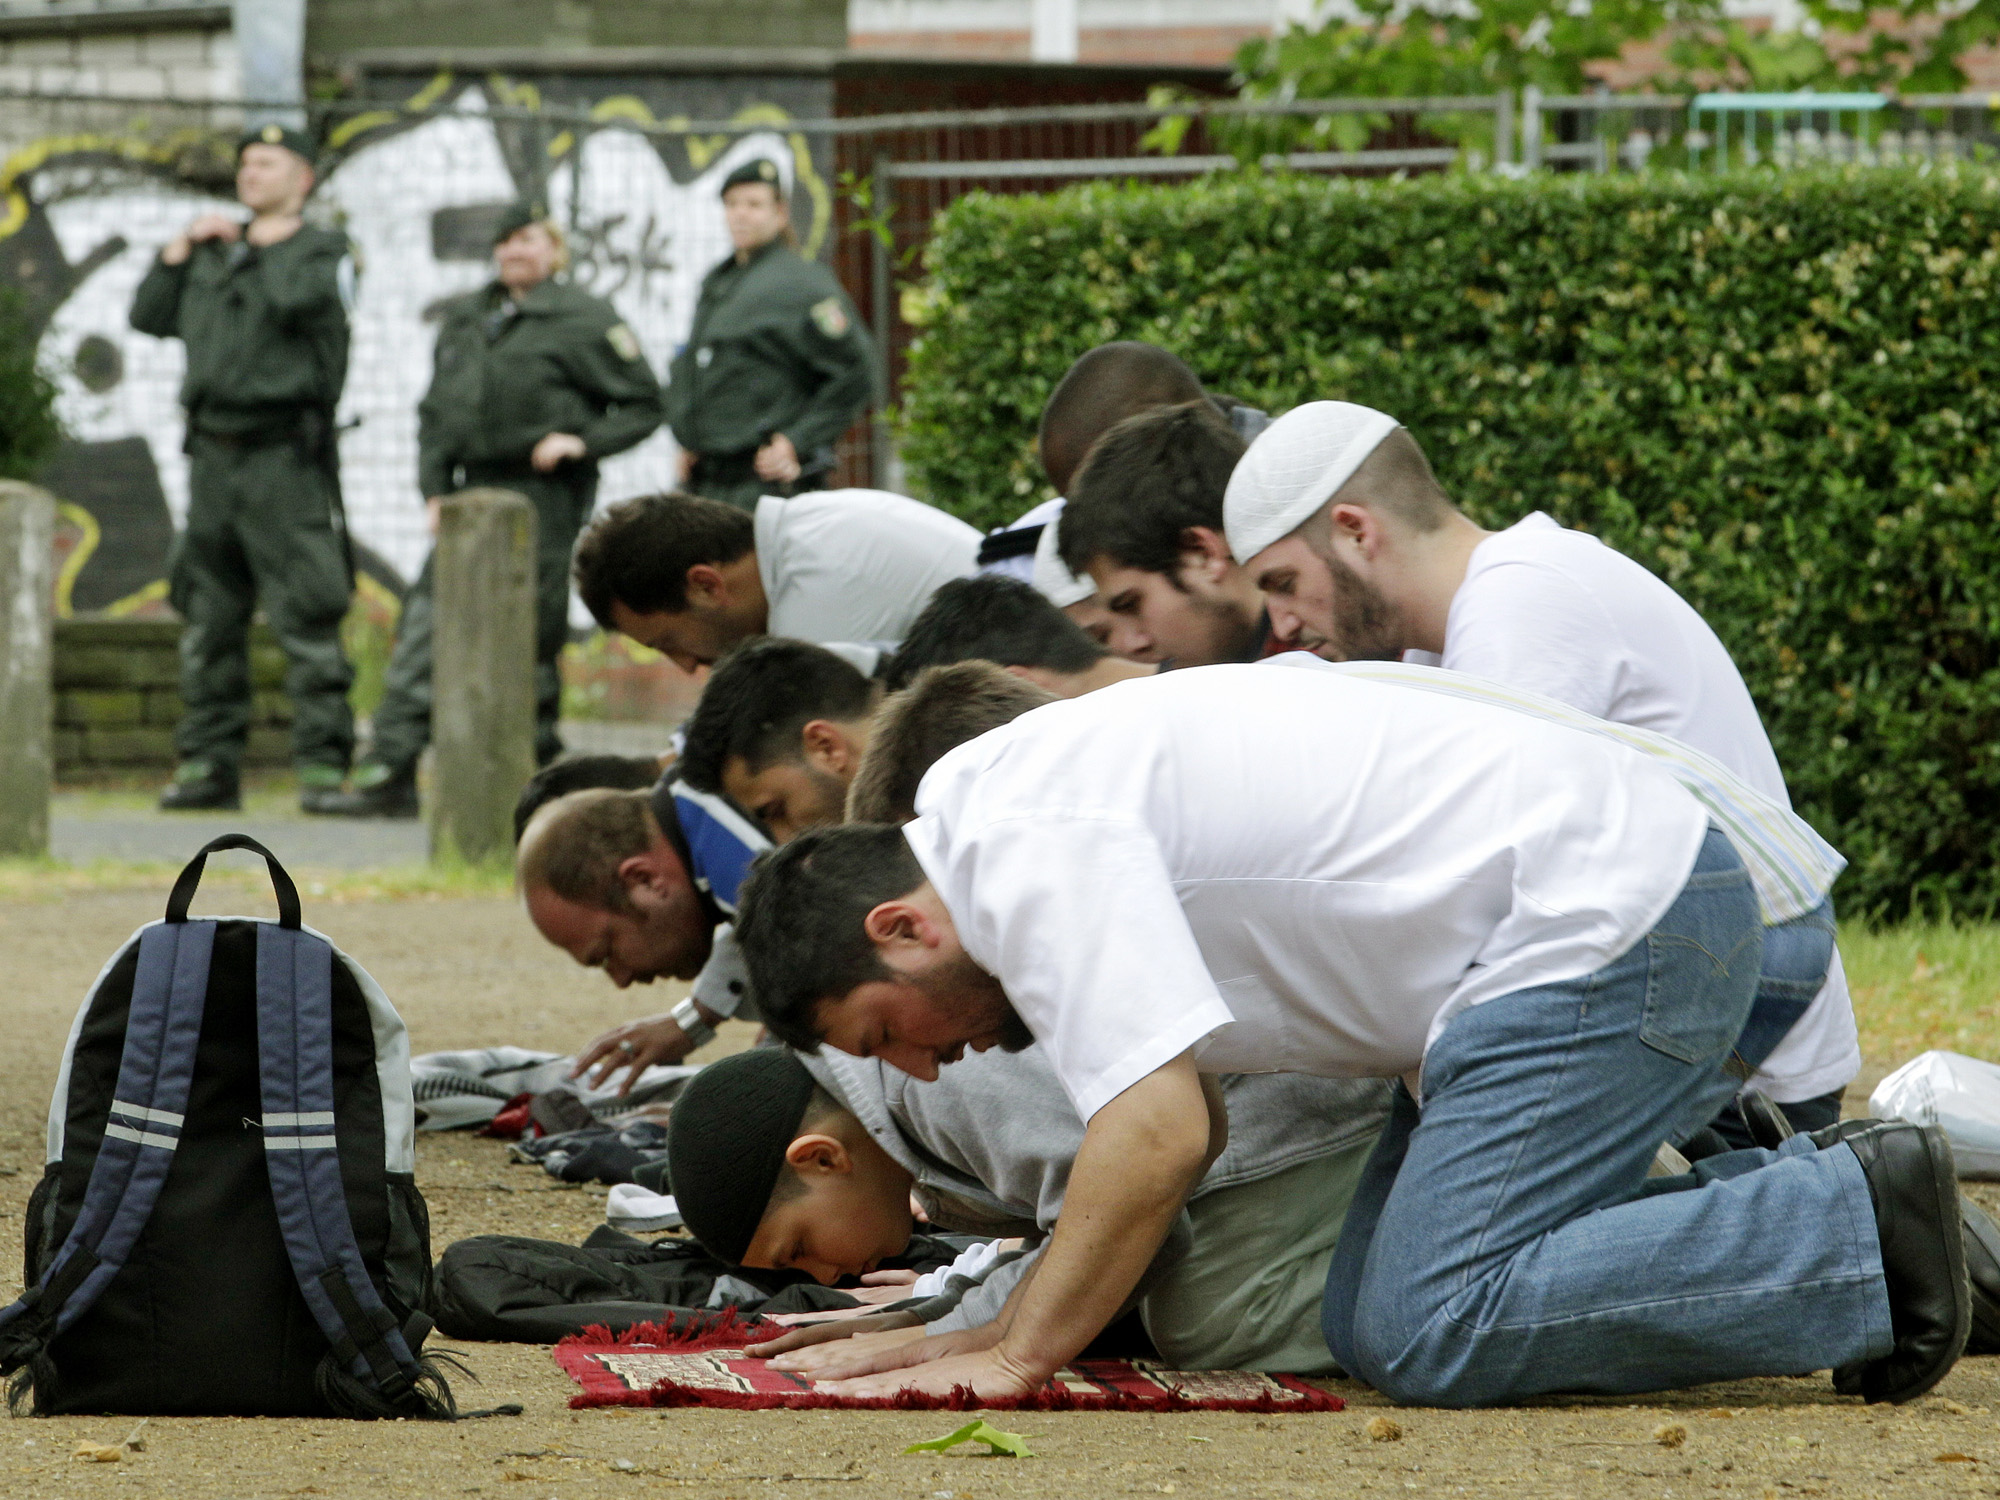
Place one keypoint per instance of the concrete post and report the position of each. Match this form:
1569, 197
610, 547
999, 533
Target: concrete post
27, 666
482, 674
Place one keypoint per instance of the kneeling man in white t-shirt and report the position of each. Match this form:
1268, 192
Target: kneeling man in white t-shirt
1536, 929
1335, 513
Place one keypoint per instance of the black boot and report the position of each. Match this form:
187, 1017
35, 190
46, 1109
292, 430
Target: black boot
1914, 1188
202, 786
378, 792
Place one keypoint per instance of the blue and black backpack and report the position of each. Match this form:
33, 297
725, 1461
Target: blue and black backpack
229, 1222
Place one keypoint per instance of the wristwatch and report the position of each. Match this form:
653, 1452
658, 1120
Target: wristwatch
687, 1015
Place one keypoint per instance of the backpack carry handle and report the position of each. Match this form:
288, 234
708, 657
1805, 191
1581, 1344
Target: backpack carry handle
289, 914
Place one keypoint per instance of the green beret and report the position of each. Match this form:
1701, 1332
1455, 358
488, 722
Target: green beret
726, 1142
295, 141
762, 169
517, 217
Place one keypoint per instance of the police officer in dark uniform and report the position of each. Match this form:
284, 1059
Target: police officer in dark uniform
535, 381
263, 310
776, 366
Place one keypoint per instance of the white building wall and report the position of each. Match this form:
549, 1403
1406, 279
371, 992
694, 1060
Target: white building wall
192, 64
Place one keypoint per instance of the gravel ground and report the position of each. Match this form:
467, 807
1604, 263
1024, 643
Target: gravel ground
470, 971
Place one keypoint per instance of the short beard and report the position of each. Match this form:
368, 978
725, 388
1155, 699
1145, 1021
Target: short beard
1365, 627
960, 988
829, 794
1227, 635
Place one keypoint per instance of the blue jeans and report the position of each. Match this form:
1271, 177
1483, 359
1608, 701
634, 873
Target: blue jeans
1501, 1244
1790, 975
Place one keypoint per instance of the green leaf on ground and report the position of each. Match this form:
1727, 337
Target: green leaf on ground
998, 1444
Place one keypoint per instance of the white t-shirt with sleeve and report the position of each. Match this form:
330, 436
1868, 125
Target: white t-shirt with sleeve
855, 565
1557, 611
1309, 875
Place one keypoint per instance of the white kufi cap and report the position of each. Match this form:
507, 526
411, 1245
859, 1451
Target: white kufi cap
1053, 580
1294, 468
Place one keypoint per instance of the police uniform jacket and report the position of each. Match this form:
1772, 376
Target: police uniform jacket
775, 347
265, 327
508, 374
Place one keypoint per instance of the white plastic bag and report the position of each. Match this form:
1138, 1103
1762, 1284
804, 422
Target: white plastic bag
1950, 1089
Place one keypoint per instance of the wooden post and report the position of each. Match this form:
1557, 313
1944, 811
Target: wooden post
482, 674
27, 666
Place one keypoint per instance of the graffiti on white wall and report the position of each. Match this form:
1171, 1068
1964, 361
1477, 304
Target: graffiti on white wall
418, 199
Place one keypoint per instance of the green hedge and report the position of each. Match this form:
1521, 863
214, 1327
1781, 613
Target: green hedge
28, 428
1779, 392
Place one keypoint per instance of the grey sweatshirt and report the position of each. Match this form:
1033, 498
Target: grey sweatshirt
991, 1142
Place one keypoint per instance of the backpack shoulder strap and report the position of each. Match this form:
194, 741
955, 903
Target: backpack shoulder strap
141, 1131
372, 1371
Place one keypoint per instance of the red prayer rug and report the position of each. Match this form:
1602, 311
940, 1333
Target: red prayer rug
700, 1362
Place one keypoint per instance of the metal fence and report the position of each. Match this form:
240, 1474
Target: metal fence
1608, 132
91, 188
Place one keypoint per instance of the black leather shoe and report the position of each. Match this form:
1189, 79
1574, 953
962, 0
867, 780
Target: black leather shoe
1766, 1122
200, 787
1914, 1186
377, 793
1982, 1250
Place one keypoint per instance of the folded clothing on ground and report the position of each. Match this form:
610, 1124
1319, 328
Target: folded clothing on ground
602, 1153
699, 1361
458, 1090
511, 1289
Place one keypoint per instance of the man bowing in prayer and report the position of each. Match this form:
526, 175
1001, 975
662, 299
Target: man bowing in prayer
1535, 929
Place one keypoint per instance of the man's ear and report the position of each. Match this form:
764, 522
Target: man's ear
649, 871
706, 587
1357, 529
900, 925
819, 1156
827, 748
1205, 552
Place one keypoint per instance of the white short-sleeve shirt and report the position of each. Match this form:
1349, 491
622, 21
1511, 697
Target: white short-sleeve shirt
1294, 872
1556, 611
856, 565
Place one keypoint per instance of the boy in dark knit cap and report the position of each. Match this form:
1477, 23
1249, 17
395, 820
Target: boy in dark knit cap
771, 1170
783, 1161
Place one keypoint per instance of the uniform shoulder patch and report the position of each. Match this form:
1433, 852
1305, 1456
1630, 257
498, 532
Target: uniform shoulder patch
829, 317
623, 340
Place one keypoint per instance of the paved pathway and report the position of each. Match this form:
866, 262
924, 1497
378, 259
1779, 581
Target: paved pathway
78, 836
125, 825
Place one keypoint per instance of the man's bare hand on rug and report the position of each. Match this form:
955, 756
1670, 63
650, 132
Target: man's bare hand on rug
991, 1375
857, 1357
824, 1343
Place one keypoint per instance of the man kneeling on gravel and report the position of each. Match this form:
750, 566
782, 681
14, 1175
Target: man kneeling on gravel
1536, 930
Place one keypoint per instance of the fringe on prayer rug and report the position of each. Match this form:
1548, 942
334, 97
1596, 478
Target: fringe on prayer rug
699, 1361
